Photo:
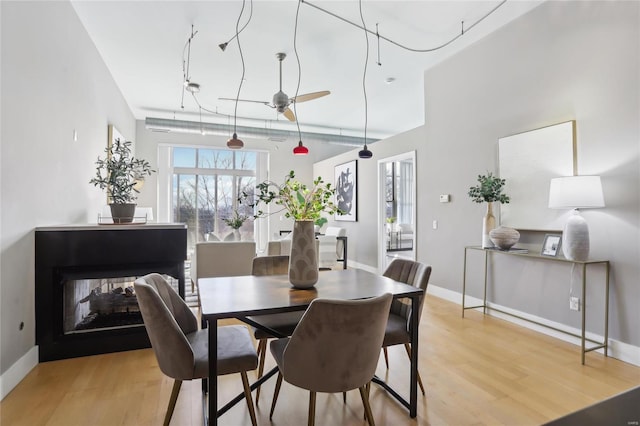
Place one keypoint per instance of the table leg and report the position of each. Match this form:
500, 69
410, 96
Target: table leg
606, 313
413, 399
584, 308
464, 279
213, 374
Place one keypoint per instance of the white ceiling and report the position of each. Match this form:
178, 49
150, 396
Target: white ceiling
142, 43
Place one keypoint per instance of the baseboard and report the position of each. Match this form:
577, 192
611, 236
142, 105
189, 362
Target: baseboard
619, 350
356, 265
18, 371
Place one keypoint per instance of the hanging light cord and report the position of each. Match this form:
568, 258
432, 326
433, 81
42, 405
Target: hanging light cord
295, 50
185, 68
235, 110
364, 76
245, 24
398, 44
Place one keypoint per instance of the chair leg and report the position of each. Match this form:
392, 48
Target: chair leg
386, 357
247, 395
262, 354
367, 408
275, 394
407, 347
172, 401
312, 408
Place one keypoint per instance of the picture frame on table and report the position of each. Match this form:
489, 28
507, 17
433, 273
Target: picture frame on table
551, 245
346, 184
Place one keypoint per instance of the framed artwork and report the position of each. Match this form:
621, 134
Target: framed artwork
346, 184
551, 245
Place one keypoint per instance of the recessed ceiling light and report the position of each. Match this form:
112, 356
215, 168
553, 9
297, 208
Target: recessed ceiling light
389, 80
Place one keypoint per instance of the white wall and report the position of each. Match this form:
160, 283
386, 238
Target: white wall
53, 82
561, 61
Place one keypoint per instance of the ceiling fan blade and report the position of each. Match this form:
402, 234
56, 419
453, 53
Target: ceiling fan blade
245, 100
310, 96
289, 114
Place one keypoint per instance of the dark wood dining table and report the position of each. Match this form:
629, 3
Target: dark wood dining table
244, 296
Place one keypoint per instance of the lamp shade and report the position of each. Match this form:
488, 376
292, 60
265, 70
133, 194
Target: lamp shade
575, 192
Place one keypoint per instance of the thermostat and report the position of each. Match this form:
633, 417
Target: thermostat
445, 198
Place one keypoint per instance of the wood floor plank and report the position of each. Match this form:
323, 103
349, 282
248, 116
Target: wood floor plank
477, 371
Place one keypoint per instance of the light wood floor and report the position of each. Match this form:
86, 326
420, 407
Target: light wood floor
477, 371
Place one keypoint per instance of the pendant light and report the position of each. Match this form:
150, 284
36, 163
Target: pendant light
365, 153
234, 142
300, 149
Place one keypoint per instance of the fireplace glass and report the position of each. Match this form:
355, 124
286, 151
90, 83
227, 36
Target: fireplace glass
92, 304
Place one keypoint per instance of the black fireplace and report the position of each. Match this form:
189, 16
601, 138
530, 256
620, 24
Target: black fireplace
85, 301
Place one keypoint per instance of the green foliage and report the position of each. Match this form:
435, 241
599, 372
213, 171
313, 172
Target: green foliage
321, 221
391, 219
119, 173
297, 200
236, 220
489, 190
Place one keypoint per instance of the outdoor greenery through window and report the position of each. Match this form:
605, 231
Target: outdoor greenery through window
205, 188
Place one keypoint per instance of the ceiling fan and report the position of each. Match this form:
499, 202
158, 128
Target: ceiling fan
280, 100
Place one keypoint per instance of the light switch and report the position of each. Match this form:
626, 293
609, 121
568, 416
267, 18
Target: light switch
435, 224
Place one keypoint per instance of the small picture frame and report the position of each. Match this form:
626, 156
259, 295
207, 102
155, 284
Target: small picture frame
551, 245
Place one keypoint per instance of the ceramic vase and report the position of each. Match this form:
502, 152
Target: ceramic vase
303, 260
122, 213
488, 224
504, 237
236, 235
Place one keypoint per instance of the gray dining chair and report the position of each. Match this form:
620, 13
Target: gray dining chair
181, 349
334, 348
283, 323
397, 333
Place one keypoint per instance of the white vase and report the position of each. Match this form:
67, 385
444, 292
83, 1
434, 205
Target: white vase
575, 238
236, 235
303, 260
488, 224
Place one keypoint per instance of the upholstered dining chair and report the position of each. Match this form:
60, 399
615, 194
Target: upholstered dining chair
181, 349
397, 333
283, 323
334, 348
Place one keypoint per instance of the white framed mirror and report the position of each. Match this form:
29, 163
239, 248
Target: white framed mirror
528, 161
396, 208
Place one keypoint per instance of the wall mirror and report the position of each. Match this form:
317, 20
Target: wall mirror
528, 161
396, 208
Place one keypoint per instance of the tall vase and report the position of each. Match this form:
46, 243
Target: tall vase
236, 235
488, 223
303, 260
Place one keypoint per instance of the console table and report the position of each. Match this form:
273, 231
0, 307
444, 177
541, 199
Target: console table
583, 264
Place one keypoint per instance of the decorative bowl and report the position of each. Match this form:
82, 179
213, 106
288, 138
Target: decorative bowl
504, 237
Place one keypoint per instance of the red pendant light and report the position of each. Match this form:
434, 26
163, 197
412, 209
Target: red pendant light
234, 142
300, 149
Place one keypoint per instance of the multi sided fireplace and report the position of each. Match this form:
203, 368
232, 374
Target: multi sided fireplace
85, 301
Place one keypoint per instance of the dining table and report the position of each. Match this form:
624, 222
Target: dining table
241, 297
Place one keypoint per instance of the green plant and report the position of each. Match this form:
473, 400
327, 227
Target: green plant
236, 220
391, 219
297, 200
119, 173
489, 189
320, 221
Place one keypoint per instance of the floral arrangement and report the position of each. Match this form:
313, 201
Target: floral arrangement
236, 220
296, 199
489, 189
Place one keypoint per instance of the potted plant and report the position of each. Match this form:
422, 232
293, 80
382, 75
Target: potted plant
235, 222
121, 175
390, 221
303, 204
489, 189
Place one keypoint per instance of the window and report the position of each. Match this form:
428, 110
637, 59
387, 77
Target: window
205, 185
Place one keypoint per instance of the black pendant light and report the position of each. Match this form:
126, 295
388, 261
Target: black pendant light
365, 153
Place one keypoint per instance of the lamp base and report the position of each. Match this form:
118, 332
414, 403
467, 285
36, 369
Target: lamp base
575, 238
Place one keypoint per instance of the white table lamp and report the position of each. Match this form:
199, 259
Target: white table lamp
576, 192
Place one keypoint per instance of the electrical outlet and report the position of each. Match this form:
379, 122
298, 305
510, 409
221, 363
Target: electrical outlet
574, 303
